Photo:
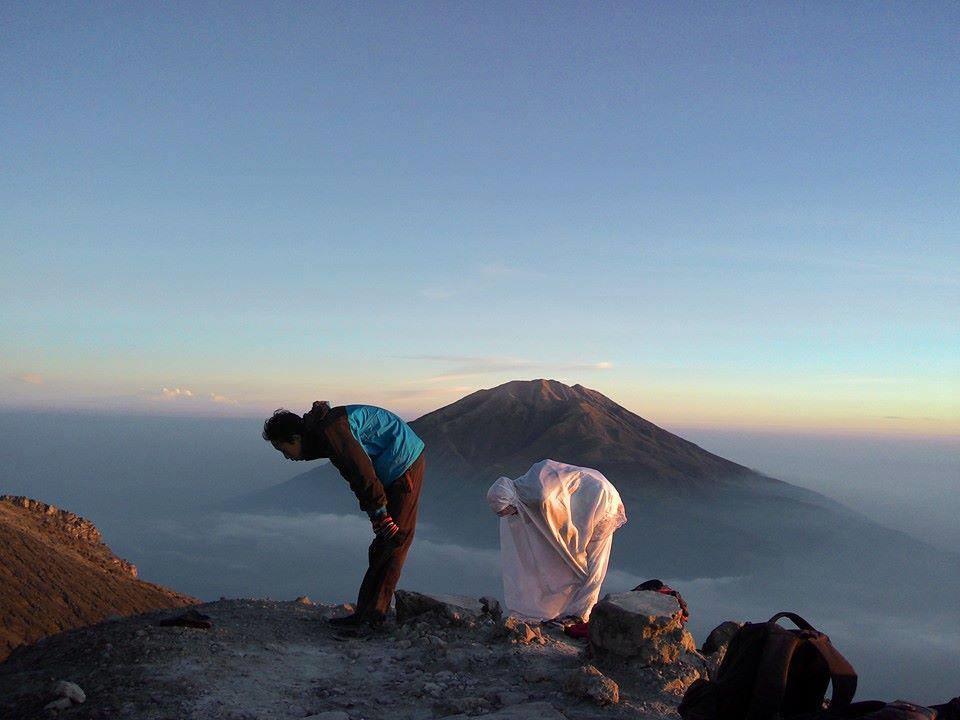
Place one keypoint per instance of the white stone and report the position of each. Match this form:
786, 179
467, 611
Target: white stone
653, 605
69, 690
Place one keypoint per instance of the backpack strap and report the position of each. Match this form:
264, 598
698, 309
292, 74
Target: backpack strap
771, 682
795, 619
842, 675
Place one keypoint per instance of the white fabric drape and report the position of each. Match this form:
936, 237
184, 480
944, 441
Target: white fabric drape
555, 550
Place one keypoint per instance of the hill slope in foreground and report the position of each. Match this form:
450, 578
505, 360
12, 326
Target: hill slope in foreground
56, 574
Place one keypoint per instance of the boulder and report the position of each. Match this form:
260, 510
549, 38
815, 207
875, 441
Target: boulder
588, 682
644, 626
720, 637
457, 609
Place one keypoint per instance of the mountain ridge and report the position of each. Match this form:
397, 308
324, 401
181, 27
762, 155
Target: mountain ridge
57, 574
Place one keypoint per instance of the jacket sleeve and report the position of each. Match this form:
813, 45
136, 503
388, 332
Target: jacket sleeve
349, 457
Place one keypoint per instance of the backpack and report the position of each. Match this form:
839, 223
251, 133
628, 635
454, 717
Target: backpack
769, 670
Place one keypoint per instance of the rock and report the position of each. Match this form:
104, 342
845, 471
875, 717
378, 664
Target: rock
642, 625
454, 608
329, 715
588, 682
467, 705
684, 676
435, 641
720, 637
508, 697
535, 674
304, 600
69, 691
491, 606
518, 631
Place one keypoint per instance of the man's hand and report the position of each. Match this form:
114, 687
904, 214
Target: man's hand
507, 511
383, 525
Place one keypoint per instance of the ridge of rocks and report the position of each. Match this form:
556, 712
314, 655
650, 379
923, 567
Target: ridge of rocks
56, 574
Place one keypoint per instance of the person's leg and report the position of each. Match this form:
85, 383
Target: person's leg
387, 557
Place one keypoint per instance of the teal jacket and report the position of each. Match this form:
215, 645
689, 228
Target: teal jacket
370, 446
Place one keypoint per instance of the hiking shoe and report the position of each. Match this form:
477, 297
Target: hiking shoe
355, 620
351, 620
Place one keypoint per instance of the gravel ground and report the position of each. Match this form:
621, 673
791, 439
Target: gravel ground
277, 660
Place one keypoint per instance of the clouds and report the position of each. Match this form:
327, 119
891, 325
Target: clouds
172, 393
278, 555
31, 378
178, 394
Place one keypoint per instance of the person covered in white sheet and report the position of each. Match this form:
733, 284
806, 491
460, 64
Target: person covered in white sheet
556, 532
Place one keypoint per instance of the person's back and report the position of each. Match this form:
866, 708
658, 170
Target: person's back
391, 444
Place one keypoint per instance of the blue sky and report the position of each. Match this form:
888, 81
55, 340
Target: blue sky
718, 215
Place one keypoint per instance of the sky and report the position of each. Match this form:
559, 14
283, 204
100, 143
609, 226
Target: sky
721, 216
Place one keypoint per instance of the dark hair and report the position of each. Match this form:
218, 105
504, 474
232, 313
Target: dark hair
282, 426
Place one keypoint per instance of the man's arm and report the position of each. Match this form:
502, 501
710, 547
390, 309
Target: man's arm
349, 457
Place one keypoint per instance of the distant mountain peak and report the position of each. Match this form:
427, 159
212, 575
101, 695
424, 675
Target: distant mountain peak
540, 390
507, 428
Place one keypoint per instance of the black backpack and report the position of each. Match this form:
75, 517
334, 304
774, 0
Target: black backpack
769, 670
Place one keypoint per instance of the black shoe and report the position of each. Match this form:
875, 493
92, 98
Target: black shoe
354, 620
351, 620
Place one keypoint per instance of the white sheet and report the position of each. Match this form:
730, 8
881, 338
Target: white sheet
555, 550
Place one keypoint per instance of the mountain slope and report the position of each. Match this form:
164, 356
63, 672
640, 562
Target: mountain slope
504, 430
56, 574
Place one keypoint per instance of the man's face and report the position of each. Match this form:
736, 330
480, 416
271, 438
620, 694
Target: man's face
291, 450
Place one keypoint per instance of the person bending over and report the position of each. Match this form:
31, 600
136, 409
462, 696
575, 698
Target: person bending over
556, 531
381, 458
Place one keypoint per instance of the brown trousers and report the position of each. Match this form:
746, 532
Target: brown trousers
387, 557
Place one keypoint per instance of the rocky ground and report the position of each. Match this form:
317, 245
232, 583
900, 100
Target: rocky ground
264, 659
